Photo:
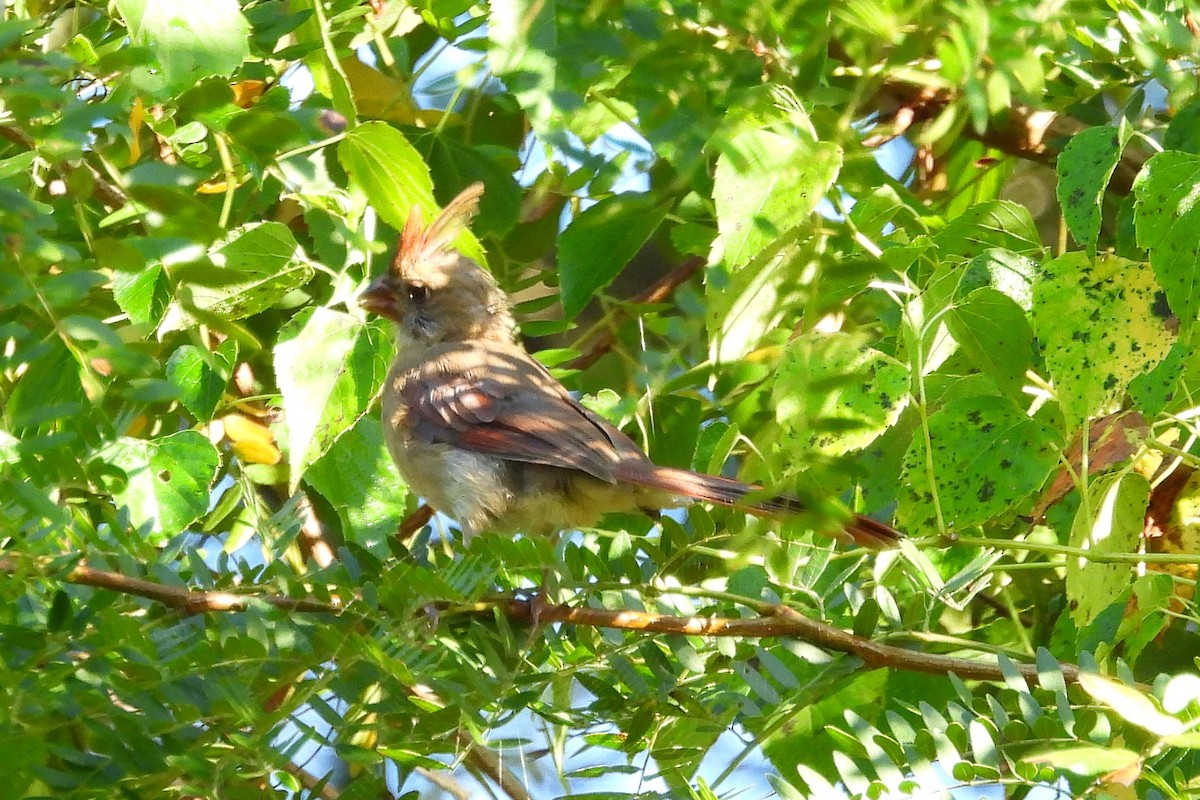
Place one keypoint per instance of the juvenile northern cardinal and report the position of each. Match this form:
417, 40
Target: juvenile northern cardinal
486, 434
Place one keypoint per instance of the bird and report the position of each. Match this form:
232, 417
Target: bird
488, 436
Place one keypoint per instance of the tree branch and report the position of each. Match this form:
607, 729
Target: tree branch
781, 621
193, 601
1024, 133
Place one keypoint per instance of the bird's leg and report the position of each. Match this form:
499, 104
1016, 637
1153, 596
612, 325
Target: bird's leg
651, 512
539, 600
415, 521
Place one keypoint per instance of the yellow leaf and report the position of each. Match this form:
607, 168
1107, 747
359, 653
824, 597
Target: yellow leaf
252, 441
256, 453
246, 92
212, 187
379, 96
139, 424
137, 115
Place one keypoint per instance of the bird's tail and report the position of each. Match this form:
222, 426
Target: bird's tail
861, 530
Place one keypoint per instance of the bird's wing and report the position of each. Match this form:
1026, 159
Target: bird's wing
497, 400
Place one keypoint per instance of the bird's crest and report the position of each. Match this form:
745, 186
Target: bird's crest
420, 243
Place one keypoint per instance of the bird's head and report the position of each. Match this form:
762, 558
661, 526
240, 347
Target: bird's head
432, 292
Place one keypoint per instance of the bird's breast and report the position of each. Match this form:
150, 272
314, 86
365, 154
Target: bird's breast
469, 487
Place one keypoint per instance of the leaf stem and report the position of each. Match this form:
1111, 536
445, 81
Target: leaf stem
230, 179
1078, 552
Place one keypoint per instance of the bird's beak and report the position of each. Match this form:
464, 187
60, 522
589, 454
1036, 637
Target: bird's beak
379, 298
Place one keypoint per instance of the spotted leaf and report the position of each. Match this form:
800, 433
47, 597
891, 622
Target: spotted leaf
987, 456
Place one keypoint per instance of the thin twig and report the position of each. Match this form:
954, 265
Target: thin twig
104, 191
657, 292
444, 781
308, 781
490, 763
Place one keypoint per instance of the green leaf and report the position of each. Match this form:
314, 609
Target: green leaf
1167, 220
987, 456
1189, 741
1184, 131
389, 169
395, 179
1153, 390
1085, 167
1007, 272
1101, 324
522, 45
598, 244
191, 40
1132, 705
995, 224
329, 367
995, 334
358, 478
314, 33
1118, 515
167, 480
10, 448
456, 165
258, 267
143, 295
883, 207
836, 394
201, 376
1086, 759
766, 184
50, 389
258, 247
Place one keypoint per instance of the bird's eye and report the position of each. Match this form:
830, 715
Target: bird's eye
417, 293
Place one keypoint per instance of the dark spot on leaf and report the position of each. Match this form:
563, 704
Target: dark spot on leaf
1006, 463
1110, 381
1161, 308
974, 417
165, 475
986, 491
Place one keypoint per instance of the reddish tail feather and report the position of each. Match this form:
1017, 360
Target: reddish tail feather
862, 530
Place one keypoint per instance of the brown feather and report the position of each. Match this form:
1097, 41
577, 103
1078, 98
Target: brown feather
728, 492
486, 433
420, 242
